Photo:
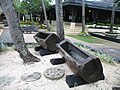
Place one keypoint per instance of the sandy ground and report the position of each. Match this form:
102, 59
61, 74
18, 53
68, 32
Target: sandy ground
12, 65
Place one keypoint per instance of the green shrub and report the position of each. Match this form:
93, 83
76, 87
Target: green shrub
4, 47
28, 23
86, 38
102, 56
42, 26
32, 45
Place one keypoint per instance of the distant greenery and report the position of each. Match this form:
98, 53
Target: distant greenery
32, 45
88, 39
117, 2
28, 23
23, 23
30, 6
5, 47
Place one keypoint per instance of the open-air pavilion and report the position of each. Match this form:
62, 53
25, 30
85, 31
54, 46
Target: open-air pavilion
95, 12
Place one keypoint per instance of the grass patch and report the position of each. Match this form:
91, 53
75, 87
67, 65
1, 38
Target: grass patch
103, 57
89, 39
32, 45
4, 47
7, 47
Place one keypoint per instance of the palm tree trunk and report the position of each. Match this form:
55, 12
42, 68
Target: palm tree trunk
112, 18
83, 15
18, 16
48, 27
16, 34
59, 19
31, 17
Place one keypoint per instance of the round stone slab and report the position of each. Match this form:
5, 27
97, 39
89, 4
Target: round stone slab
30, 77
6, 80
54, 73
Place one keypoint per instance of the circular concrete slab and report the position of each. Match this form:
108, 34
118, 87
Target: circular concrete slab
30, 77
54, 73
6, 80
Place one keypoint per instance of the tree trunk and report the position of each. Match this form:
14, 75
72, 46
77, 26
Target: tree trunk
18, 16
112, 18
31, 17
83, 15
48, 27
16, 34
23, 17
59, 19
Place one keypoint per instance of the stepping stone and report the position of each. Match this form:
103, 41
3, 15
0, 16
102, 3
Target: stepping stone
44, 52
30, 77
6, 80
54, 73
57, 61
74, 81
37, 48
116, 88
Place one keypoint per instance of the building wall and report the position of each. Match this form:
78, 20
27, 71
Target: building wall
73, 13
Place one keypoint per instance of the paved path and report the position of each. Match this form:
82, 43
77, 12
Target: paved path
77, 29
5, 36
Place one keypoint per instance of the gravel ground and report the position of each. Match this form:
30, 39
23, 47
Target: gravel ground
12, 65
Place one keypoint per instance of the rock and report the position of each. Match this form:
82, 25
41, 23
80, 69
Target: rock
30, 77
6, 80
54, 73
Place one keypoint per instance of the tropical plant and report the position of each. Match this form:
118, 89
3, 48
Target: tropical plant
59, 19
30, 7
115, 4
83, 16
16, 34
44, 9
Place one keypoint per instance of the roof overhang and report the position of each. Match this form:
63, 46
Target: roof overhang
90, 4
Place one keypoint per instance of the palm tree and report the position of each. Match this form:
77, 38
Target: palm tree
16, 34
17, 7
43, 4
83, 16
113, 15
59, 19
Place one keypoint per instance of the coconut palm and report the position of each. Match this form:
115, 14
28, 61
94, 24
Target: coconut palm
16, 34
59, 18
44, 9
83, 16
